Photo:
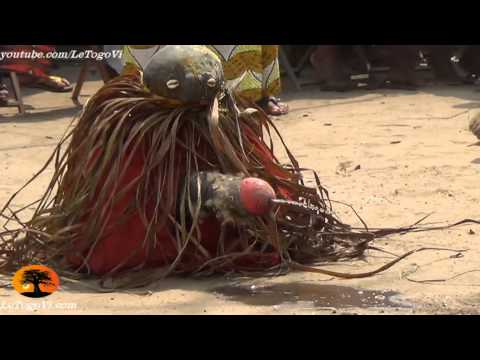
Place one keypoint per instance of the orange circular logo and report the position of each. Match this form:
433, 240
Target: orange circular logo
35, 281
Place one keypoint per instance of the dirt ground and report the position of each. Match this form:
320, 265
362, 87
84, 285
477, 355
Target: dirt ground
395, 156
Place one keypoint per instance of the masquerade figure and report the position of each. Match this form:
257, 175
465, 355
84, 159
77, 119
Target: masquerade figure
166, 168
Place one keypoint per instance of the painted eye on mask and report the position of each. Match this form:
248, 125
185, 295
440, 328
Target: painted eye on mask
173, 84
184, 73
212, 82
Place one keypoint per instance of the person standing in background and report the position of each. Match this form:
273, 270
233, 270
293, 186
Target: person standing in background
115, 63
253, 72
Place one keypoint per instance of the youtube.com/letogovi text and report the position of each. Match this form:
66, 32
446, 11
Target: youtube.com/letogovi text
60, 55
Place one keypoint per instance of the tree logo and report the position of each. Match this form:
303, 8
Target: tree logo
36, 281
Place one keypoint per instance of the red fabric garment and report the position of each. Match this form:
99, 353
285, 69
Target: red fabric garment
125, 241
37, 67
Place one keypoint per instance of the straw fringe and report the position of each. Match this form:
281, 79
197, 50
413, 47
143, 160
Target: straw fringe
121, 120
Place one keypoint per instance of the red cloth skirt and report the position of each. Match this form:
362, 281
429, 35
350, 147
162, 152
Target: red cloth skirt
122, 247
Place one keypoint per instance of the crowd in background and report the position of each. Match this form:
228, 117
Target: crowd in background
402, 64
253, 71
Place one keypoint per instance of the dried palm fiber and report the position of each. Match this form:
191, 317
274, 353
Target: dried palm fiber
474, 126
118, 200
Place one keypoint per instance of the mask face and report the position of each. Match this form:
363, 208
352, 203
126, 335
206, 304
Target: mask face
189, 74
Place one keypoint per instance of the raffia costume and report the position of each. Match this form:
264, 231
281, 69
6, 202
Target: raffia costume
153, 175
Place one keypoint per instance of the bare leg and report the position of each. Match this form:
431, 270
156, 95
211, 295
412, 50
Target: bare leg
3, 94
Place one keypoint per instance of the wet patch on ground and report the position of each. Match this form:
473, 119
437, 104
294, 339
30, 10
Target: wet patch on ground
319, 295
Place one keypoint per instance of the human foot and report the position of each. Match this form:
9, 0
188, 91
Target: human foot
49, 83
273, 106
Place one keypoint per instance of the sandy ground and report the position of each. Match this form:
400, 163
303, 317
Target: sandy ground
413, 159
